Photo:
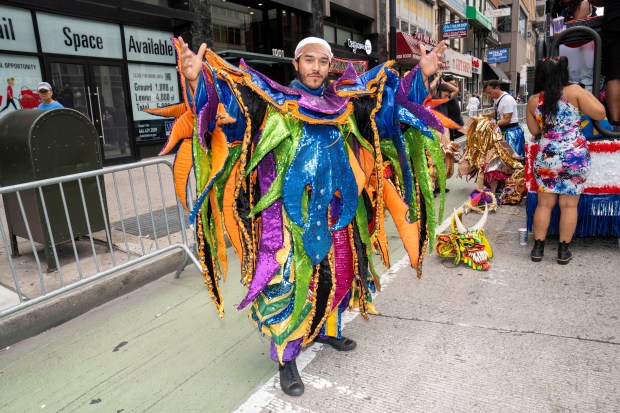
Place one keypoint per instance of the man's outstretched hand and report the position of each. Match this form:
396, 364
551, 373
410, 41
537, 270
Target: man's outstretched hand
431, 62
191, 63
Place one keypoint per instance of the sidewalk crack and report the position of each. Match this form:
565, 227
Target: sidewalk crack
498, 329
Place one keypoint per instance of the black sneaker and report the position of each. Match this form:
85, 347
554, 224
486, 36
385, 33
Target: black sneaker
290, 380
344, 344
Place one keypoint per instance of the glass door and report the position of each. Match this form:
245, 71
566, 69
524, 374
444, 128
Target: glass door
69, 83
97, 90
109, 104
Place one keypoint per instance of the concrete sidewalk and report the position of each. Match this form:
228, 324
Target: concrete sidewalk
520, 337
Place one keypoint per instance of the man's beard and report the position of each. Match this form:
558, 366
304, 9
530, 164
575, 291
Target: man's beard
322, 84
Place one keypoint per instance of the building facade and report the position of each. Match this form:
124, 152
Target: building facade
108, 60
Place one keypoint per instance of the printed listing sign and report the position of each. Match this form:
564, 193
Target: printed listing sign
497, 55
152, 86
19, 76
16, 30
454, 30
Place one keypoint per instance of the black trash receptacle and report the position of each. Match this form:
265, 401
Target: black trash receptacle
36, 145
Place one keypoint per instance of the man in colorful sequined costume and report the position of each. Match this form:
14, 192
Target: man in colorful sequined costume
299, 178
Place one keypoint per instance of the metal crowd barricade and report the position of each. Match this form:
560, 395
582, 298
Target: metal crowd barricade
143, 220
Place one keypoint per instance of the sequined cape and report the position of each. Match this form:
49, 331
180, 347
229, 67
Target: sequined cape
300, 185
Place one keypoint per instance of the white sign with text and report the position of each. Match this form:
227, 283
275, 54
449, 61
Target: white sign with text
16, 30
149, 45
151, 86
491, 13
79, 37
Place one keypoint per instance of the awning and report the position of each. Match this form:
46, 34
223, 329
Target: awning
408, 45
494, 73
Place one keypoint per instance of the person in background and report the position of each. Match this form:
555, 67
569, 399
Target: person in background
44, 90
562, 160
473, 104
453, 106
506, 115
611, 57
573, 9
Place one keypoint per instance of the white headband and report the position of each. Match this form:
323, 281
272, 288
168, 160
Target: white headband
313, 44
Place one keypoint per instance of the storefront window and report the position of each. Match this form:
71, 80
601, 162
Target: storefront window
232, 27
504, 24
19, 76
329, 34
522, 23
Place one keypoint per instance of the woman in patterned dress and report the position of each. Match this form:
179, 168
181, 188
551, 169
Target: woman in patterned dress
562, 161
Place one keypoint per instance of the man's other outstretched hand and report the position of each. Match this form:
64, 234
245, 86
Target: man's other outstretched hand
191, 63
431, 62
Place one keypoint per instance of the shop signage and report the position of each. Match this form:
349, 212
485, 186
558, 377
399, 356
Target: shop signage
502, 12
355, 46
340, 65
149, 45
497, 55
408, 45
151, 86
457, 63
476, 65
16, 30
458, 6
79, 37
19, 76
454, 30
478, 18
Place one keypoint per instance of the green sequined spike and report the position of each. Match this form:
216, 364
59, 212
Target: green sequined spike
388, 150
434, 147
302, 265
417, 153
284, 153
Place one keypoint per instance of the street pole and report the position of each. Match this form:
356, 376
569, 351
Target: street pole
392, 29
201, 31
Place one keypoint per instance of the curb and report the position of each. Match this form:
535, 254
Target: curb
55, 311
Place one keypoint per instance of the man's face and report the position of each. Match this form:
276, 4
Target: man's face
493, 92
45, 95
312, 69
445, 94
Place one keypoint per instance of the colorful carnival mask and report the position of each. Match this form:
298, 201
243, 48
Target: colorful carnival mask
470, 246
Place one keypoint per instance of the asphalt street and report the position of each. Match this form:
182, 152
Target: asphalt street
521, 337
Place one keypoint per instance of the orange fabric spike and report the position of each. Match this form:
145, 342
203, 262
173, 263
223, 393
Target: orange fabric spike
183, 164
174, 111
358, 172
232, 228
219, 234
182, 129
429, 102
409, 231
379, 237
446, 121
367, 162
